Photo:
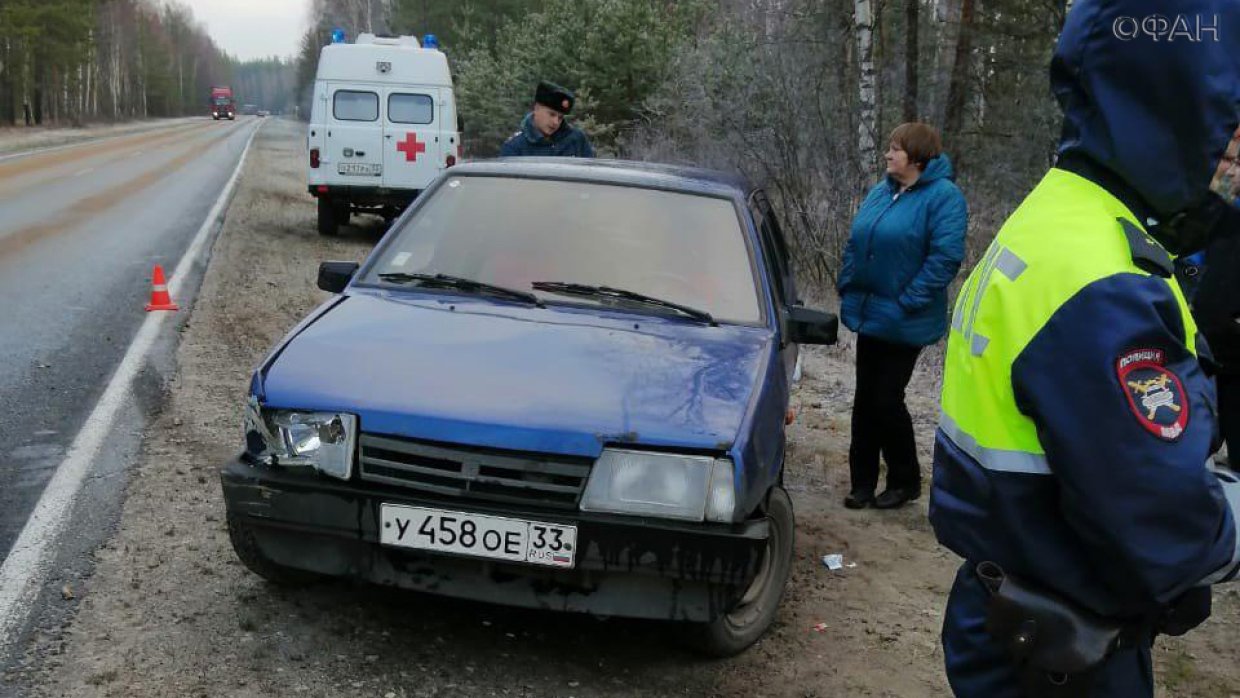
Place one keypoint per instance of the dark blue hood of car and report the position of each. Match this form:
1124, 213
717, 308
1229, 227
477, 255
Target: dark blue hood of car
552, 380
1156, 109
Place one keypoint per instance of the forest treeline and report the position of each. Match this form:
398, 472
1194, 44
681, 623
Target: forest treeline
77, 61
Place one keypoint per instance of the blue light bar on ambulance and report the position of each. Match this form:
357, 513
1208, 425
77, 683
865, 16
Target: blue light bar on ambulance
430, 41
338, 36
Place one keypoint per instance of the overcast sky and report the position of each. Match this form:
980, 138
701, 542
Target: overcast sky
249, 29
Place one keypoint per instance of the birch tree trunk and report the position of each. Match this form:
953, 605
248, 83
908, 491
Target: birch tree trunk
114, 77
867, 124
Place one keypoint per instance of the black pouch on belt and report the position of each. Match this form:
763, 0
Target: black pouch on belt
1058, 645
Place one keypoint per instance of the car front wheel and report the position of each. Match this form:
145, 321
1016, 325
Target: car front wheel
253, 558
329, 219
736, 630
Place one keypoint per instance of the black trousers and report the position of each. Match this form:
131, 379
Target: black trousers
1229, 415
880, 421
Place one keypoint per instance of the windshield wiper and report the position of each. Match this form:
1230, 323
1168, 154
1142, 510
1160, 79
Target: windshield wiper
588, 291
460, 284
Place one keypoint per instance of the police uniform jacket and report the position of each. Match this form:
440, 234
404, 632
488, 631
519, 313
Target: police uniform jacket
567, 141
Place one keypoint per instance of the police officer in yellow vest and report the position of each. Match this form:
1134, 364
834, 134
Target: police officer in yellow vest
1070, 464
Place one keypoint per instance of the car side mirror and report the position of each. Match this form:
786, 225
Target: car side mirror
334, 276
806, 326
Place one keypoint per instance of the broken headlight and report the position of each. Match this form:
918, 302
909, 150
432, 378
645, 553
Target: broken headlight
324, 441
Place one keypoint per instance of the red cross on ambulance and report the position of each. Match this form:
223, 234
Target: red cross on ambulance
411, 147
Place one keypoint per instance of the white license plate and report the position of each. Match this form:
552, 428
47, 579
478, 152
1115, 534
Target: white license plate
357, 168
533, 542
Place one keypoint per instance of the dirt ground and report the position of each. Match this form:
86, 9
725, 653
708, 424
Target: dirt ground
18, 138
170, 611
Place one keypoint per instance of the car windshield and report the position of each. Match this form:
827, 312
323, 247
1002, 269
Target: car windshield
684, 248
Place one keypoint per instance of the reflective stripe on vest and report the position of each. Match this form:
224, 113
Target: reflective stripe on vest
993, 458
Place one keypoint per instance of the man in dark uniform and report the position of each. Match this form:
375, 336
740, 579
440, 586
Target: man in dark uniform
1076, 424
545, 131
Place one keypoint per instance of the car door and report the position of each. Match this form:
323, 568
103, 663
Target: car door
411, 147
353, 151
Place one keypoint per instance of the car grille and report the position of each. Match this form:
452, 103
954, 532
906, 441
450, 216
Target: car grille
480, 474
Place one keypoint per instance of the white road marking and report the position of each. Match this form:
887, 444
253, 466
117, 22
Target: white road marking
27, 566
79, 173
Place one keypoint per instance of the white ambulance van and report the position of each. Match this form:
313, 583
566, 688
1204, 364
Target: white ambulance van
383, 124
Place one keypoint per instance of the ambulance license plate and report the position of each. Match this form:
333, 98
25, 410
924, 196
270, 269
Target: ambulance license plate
478, 535
358, 168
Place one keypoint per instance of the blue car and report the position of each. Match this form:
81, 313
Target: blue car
557, 384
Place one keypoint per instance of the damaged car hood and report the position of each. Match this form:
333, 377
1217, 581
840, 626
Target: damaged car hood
555, 379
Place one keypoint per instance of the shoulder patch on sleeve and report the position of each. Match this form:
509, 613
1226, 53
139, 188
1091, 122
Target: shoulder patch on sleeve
1146, 253
1155, 393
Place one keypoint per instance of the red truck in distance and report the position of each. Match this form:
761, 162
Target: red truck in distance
222, 104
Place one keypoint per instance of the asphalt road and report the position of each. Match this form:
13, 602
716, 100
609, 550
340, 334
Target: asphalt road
80, 229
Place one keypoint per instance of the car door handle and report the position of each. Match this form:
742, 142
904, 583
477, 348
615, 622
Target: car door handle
389, 136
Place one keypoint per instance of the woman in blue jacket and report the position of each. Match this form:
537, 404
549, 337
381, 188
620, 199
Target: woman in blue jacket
906, 246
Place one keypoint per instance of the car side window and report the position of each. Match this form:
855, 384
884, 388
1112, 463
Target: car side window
773, 251
355, 105
783, 259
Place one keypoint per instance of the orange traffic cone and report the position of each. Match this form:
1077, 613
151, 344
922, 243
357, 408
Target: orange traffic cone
160, 300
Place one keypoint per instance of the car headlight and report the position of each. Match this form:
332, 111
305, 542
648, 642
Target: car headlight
666, 485
321, 440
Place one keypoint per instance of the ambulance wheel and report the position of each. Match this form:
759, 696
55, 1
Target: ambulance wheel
252, 556
733, 632
329, 221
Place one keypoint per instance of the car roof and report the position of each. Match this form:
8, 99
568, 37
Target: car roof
625, 172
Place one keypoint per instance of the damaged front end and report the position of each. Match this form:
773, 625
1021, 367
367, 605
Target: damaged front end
299, 519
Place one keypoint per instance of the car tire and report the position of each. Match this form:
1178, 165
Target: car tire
329, 221
343, 214
252, 557
733, 632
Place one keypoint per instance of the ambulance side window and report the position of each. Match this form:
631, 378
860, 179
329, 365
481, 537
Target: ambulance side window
354, 105
410, 109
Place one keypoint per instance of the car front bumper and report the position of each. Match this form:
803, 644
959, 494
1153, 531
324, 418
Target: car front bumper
625, 566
